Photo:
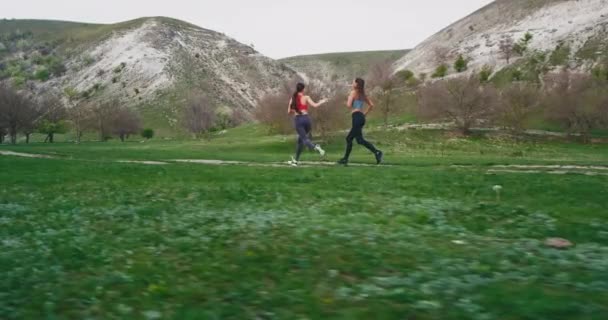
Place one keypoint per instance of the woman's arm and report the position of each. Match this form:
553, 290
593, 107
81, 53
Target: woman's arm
315, 104
289, 109
351, 98
370, 105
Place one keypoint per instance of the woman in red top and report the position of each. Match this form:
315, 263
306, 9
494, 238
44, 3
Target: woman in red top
298, 105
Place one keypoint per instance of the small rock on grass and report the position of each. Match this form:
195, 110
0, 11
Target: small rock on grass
558, 243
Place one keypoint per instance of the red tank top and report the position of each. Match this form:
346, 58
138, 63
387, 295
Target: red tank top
299, 105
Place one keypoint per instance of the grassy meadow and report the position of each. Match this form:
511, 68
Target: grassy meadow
425, 236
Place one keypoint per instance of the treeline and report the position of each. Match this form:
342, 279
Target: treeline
48, 115
79, 112
576, 102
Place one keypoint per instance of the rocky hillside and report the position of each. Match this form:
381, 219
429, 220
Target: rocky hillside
569, 32
148, 63
342, 66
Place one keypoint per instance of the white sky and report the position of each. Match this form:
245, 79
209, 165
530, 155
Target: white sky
277, 28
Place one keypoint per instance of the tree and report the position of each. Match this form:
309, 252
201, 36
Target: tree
30, 118
381, 76
17, 112
517, 102
199, 114
506, 47
462, 100
53, 116
461, 64
577, 101
125, 122
101, 115
76, 111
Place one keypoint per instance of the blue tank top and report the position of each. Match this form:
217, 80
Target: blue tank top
358, 104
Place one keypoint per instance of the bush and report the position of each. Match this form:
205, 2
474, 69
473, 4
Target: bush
271, 111
485, 73
578, 102
56, 67
461, 64
199, 114
404, 75
42, 74
441, 71
88, 60
517, 103
147, 133
462, 100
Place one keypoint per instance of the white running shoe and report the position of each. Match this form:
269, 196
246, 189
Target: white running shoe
292, 162
320, 150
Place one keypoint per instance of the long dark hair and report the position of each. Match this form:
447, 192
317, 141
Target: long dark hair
360, 88
294, 99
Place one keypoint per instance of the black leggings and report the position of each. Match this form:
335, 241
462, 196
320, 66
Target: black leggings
303, 127
357, 133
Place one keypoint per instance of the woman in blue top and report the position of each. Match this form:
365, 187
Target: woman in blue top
356, 102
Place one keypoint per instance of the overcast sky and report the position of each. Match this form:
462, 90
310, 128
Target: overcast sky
277, 28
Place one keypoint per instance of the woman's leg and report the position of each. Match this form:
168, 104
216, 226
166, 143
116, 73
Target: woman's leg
299, 149
360, 123
303, 128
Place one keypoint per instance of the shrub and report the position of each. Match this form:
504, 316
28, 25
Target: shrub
462, 100
404, 75
199, 114
577, 101
441, 71
485, 73
517, 103
271, 111
147, 133
461, 64
42, 74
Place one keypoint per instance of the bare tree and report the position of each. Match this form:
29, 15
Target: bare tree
381, 76
577, 101
506, 47
30, 117
100, 116
332, 115
125, 122
15, 111
53, 116
199, 114
462, 100
517, 102
271, 109
77, 111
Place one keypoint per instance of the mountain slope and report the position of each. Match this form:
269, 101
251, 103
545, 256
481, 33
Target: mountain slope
580, 26
340, 66
148, 61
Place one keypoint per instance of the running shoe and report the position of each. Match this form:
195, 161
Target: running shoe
379, 157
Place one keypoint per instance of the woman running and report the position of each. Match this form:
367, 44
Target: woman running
298, 105
356, 101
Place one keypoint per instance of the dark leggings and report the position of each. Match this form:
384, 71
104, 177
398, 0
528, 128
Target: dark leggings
357, 133
303, 127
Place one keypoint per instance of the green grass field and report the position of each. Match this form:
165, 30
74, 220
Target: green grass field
423, 237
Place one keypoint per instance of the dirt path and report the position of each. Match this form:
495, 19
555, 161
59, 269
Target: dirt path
496, 169
24, 155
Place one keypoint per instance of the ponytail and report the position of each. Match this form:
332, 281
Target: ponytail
294, 99
360, 88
